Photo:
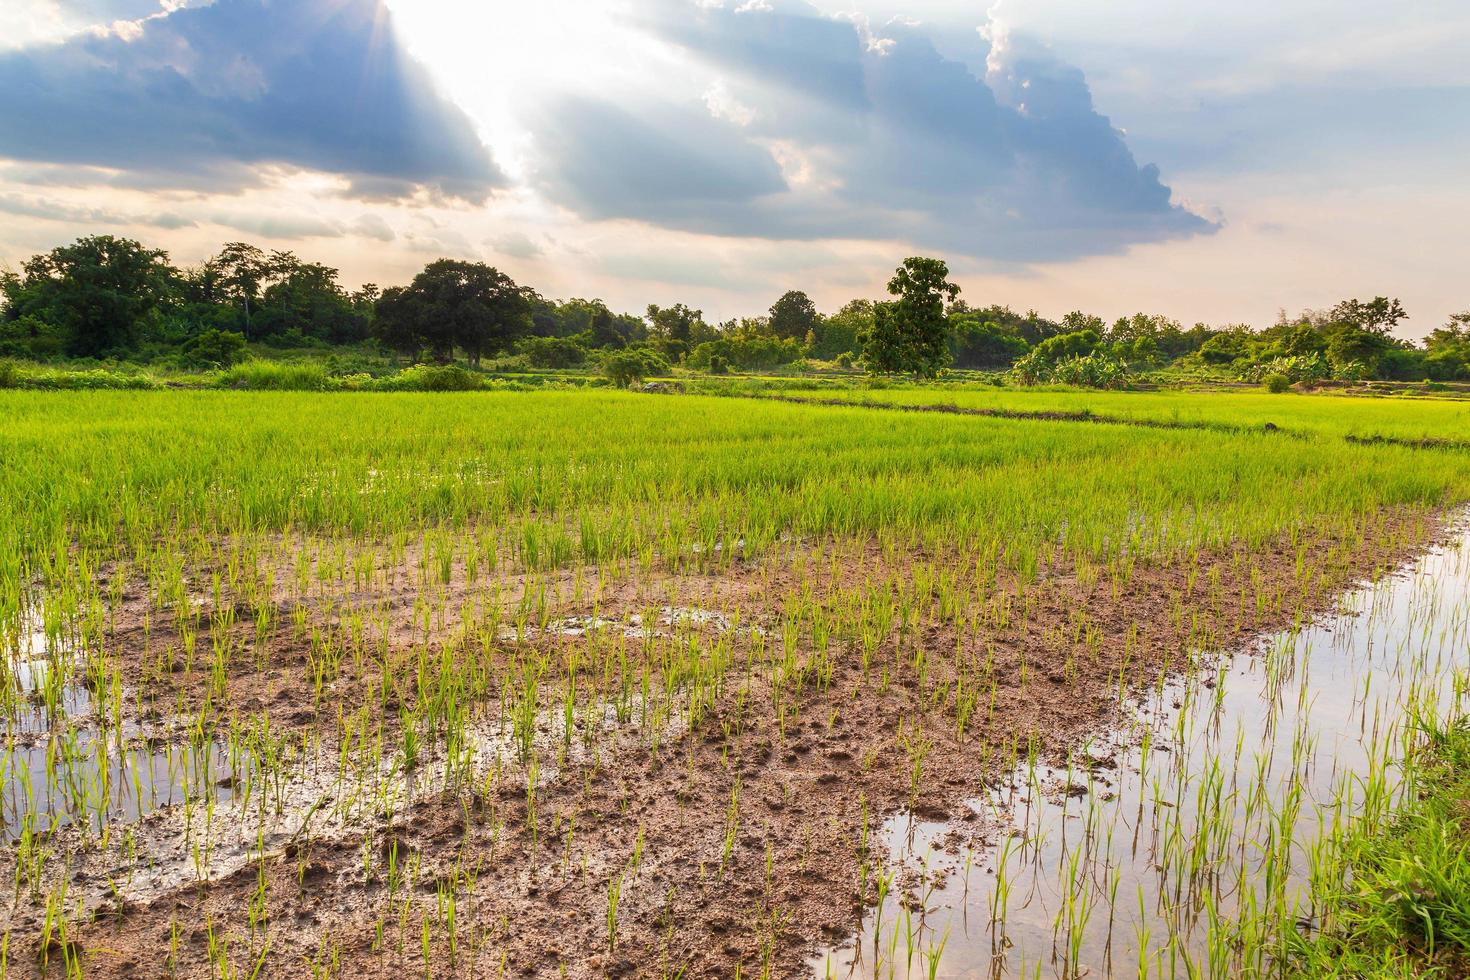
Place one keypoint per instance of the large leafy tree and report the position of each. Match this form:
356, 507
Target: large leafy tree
910, 335
840, 333
452, 304
794, 316
1378, 315
240, 271
678, 328
100, 293
305, 298
981, 343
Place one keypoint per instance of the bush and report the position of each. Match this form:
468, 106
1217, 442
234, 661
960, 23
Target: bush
1308, 368
626, 367
553, 352
1277, 383
421, 377
9, 375
1095, 370
746, 353
214, 348
717, 365
427, 377
93, 380
273, 376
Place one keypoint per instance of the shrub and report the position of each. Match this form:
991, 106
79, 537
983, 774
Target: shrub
1277, 383
1096, 370
717, 365
96, 379
272, 376
626, 367
1300, 368
214, 348
9, 374
746, 353
427, 377
553, 352
422, 377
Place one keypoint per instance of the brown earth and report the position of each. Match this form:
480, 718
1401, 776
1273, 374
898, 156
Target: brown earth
807, 782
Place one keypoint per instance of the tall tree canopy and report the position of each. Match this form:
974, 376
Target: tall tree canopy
454, 303
100, 292
910, 335
794, 316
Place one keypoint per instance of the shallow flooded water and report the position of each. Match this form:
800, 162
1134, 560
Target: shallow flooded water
1163, 844
64, 761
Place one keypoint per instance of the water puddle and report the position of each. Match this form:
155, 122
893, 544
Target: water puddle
1161, 845
63, 763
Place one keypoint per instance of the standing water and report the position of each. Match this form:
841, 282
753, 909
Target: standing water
1165, 847
67, 753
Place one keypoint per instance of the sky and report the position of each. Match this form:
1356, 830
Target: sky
1214, 162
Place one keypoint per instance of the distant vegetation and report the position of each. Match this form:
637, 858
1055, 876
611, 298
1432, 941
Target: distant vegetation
103, 301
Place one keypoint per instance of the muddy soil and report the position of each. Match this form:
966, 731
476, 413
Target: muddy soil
737, 842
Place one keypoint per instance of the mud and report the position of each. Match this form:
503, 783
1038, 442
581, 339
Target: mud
737, 841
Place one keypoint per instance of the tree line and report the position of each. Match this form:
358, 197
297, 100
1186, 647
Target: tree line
105, 297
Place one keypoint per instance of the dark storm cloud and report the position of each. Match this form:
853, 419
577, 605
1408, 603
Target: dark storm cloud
665, 163
202, 97
895, 140
785, 46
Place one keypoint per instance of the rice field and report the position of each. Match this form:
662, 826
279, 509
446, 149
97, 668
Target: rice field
608, 684
1308, 416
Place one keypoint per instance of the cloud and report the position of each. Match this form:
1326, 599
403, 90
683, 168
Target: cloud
202, 97
374, 227
846, 134
667, 162
49, 210
279, 226
517, 245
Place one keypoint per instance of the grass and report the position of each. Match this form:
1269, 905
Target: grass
1404, 909
1311, 415
439, 657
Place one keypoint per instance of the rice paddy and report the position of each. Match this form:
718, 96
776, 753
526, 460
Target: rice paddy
605, 684
1427, 418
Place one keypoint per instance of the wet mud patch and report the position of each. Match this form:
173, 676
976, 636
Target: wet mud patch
767, 740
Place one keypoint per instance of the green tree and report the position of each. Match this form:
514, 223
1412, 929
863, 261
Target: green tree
910, 335
980, 343
397, 319
1448, 349
678, 328
305, 300
215, 348
794, 315
1379, 315
1062, 346
1077, 321
1349, 344
839, 333
241, 270
99, 293
452, 304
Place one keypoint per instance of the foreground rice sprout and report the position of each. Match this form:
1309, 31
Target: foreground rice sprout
592, 683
